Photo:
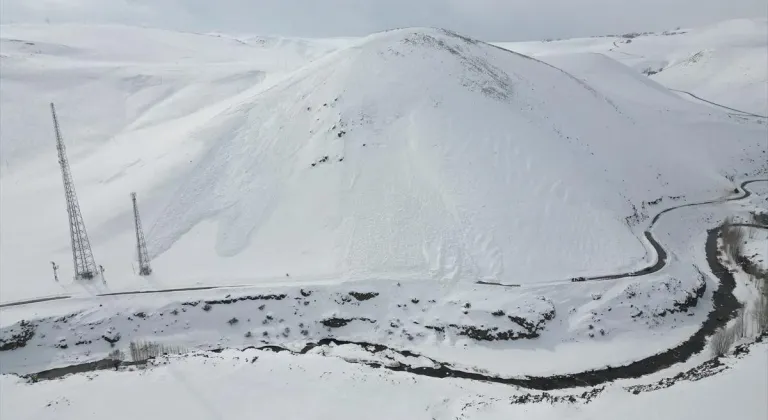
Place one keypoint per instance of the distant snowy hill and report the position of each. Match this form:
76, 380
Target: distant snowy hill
726, 63
109, 79
410, 154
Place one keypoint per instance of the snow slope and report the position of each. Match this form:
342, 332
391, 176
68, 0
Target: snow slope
112, 84
619, 81
367, 163
726, 63
231, 384
508, 331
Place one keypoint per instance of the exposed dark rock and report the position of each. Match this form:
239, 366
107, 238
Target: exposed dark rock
760, 217
111, 336
340, 322
491, 334
244, 298
11, 338
584, 397
65, 318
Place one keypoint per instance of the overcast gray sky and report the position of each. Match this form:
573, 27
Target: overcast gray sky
492, 20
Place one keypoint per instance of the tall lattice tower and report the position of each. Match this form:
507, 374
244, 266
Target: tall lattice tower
82, 256
141, 244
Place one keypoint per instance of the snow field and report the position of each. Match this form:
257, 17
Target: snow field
231, 383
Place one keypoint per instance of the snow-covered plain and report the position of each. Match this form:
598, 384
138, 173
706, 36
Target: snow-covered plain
369, 190
268, 385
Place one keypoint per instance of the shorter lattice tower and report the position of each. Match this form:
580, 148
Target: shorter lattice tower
82, 256
141, 244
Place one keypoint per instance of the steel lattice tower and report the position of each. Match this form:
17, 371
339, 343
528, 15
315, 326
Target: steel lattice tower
82, 256
141, 244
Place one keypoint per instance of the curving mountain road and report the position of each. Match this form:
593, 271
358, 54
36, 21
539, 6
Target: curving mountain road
661, 254
616, 47
717, 104
661, 260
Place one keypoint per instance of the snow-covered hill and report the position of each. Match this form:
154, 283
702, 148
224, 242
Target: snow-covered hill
725, 63
412, 154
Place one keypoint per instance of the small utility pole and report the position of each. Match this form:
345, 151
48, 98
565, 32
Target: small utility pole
55, 271
141, 244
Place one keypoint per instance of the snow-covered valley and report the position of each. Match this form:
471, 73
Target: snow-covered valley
380, 210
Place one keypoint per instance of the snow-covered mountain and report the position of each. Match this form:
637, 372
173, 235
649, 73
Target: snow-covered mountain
410, 154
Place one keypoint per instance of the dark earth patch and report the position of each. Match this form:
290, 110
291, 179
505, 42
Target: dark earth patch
12, 339
361, 296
